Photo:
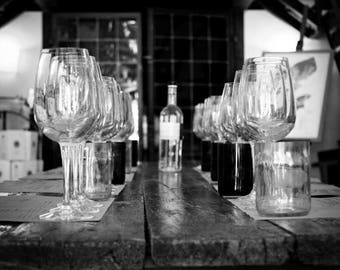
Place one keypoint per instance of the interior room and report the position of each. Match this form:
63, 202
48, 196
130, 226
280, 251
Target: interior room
162, 49
164, 158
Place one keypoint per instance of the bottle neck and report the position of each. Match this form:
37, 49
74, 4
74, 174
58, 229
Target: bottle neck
172, 95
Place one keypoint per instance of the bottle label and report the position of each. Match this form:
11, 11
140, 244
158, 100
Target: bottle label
169, 131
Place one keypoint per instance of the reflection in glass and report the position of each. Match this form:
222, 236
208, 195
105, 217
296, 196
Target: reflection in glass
128, 50
128, 77
172, 214
128, 28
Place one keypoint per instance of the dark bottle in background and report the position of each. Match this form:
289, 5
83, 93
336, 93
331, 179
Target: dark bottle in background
205, 155
237, 170
118, 152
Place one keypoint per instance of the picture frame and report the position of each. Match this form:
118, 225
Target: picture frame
310, 72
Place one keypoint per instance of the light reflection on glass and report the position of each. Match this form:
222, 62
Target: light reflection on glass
171, 202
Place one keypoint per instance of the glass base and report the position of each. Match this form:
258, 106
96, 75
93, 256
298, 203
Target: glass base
272, 209
283, 213
86, 205
169, 169
65, 213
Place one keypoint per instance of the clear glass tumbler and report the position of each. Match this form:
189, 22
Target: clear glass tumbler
282, 178
99, 168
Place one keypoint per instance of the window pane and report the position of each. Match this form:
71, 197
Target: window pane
128, 77
87, 28
67, 28
128, 50
107, 28
107, 51
128, 28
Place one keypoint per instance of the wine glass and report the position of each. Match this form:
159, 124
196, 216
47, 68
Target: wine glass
266, 99
197, 120
227, 119
236, 177
197, 128
265, 102
207, 117
99, 169
200, 133
210, 116
127, 129
65, 107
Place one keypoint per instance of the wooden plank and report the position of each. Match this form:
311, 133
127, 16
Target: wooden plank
116, 242
133, 190
317, 240
189, 224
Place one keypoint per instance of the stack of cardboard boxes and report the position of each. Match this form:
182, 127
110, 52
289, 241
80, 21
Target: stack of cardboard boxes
18, 154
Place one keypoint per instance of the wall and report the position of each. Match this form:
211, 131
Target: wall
265, 32
20, 42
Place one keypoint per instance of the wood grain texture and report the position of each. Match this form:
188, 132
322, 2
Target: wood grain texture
170, 221
190, 225
116, 242
317, 240
133, 190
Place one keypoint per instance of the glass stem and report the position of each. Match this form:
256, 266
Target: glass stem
67, 155
237, 184
252, 145
75, 164
128, 157
80, 160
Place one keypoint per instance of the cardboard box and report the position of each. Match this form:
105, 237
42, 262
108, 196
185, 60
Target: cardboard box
18, 145
5, 170
25, 167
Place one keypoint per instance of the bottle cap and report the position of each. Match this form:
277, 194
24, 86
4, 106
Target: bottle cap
172, 88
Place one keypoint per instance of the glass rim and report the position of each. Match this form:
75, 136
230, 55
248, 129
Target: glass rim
65, 50
286, 142
261, 60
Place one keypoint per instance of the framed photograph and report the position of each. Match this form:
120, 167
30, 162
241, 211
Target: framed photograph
310, 72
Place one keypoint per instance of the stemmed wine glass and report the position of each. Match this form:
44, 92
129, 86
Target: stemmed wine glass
127, 130
197, 128
200, 133
265, 98
197, 121
125, 127
210, 125
237, 178
65, 108
98, 180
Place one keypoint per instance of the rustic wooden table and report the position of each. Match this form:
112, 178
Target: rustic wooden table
170, 221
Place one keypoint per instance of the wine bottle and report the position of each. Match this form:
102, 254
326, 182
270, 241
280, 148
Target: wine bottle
170, 134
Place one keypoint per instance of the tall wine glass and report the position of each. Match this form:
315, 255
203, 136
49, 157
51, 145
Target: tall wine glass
197, 119
97, 184
197, 123
237, 177
267, 99
65, 107
126, 130
227, 119
210, 114
207, 117
266, 102
199, 130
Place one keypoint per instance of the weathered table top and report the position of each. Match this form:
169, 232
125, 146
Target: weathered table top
116, 242
189, 224
169, 221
